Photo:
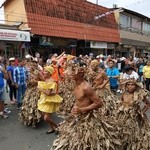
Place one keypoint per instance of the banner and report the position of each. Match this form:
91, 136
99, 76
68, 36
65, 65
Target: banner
98, 45
13, 35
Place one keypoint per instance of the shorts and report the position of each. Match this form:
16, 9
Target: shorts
2, 94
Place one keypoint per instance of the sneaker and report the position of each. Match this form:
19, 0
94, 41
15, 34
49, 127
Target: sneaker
118, 91
2, 115
6, 111
121, 91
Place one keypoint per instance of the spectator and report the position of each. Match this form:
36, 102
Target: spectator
146, 74
113, 74
10, 81
130, 73
3, 74
140, 66
20, 77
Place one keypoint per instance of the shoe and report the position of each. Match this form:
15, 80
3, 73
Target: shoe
2, 115
6, 111
51, 131
118, 91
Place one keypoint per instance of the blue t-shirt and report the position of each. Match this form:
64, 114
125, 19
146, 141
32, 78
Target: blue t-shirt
11, 69
112, 72
1, 80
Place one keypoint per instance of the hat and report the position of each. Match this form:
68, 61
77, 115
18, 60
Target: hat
28, 56
123, 58
55, 54
49, 69
101, 55
97, 56
69, 57
12, 59
65, 56
94, 62
91, 54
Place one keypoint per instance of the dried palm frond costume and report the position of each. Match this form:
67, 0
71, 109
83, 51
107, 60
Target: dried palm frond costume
109, 99
66, 90
92, 71
29, 114
88, 131
134, 126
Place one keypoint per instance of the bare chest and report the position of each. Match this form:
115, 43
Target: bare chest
128, 99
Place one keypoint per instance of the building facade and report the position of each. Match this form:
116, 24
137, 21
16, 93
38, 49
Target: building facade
13, 41
58, 25
134, 31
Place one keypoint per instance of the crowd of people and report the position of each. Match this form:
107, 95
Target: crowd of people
98, 97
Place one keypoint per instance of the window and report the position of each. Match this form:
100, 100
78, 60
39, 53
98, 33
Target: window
136, 24
146, 28
124, 21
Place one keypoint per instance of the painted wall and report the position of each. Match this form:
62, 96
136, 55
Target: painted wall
15, 12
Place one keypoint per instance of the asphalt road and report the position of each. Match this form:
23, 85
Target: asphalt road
15, 136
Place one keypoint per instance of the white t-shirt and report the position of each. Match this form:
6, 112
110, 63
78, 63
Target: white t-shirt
131, 76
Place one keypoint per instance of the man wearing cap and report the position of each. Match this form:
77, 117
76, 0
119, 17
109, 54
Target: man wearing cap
10, 81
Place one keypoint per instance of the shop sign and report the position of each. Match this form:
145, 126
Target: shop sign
13, 35
98, 44
111, 46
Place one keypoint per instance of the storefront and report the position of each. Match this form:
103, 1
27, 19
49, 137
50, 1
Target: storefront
13, 43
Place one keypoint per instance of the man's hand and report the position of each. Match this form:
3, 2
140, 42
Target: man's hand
39, 89
76, 110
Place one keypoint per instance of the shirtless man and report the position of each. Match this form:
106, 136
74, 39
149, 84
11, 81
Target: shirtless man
128, 97
100, 81
86, 99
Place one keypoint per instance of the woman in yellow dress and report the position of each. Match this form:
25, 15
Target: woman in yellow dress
49, 101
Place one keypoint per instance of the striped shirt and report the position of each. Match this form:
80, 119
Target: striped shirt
20, 75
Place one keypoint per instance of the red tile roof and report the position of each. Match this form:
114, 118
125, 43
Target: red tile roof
71, 19
49, 26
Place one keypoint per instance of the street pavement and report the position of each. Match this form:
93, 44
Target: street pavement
15, 136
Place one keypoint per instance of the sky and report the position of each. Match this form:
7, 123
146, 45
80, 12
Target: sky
140, 6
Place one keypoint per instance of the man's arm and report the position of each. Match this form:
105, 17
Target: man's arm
116, 74
147, 105
106, 80
4, 73
90, 94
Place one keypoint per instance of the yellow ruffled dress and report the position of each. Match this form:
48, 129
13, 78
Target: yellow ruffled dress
48, 104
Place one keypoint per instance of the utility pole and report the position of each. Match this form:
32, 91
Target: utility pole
97, 2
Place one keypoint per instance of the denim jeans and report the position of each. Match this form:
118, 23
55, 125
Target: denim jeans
20, 93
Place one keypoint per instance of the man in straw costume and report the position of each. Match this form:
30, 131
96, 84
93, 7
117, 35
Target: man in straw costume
30, 115
86, 129
134, 125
